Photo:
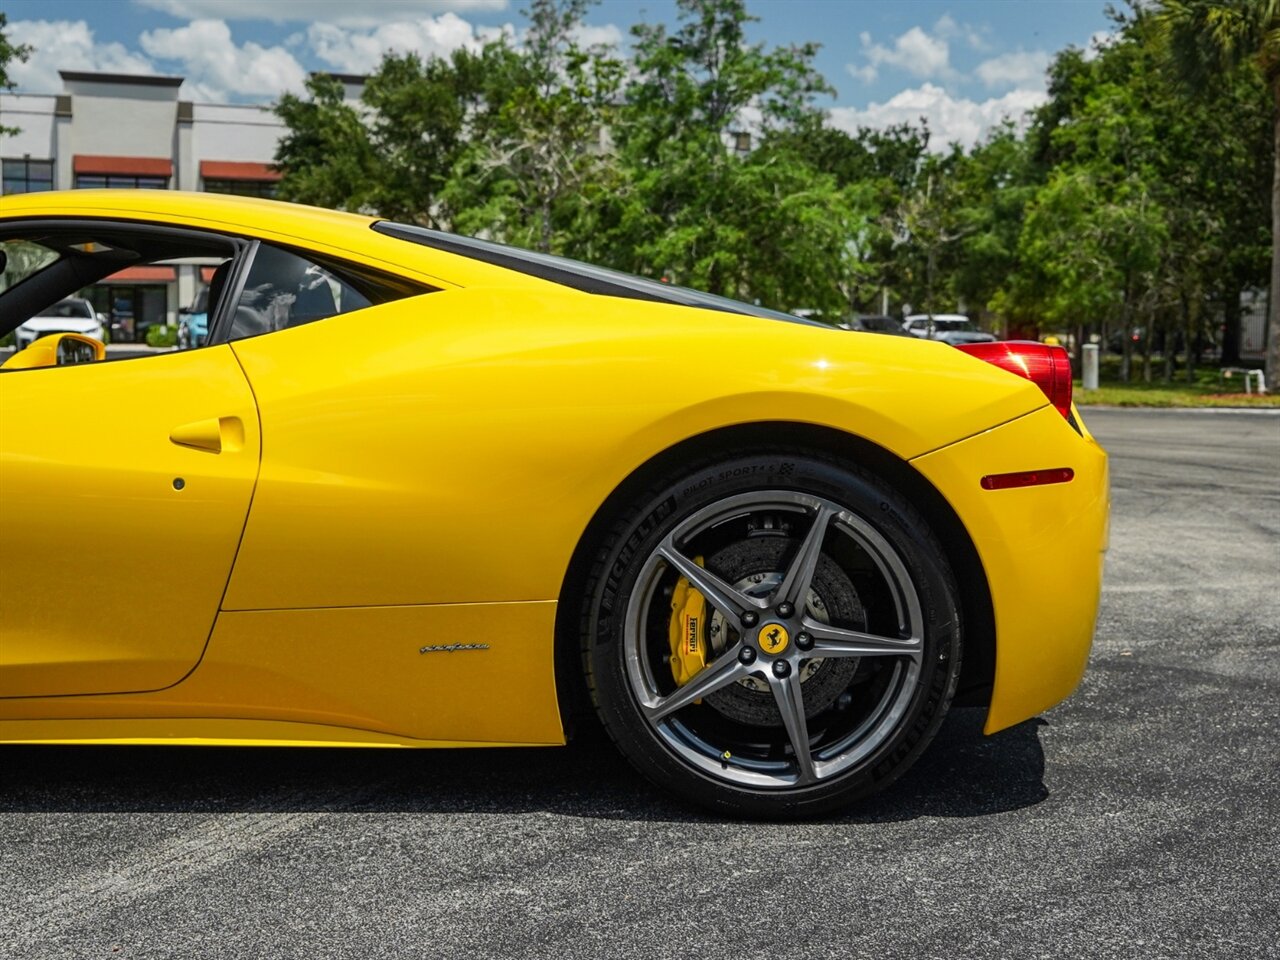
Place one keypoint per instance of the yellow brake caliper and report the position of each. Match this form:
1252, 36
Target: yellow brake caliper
688, 625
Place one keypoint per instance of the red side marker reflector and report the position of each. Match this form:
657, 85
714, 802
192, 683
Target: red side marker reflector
1028, 478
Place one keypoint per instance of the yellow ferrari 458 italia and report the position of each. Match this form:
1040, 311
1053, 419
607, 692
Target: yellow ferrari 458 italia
422, 490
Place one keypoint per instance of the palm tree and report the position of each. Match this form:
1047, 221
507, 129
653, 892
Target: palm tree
1208, 37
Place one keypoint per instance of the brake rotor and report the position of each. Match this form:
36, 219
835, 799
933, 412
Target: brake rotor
755, 566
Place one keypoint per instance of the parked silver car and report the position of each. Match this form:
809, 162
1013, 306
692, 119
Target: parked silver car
952, 328
72, 315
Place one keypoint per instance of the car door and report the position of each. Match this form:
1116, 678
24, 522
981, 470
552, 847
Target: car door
124, 487
123, 493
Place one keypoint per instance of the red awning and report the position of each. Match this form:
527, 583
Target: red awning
206, 273
143, 275
125, 166
237, 170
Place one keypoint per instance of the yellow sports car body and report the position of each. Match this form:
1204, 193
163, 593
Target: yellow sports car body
420, 490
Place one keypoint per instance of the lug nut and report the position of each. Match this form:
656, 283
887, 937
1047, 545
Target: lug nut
750, 618
804, 641
747, 655
785, 609
781, 668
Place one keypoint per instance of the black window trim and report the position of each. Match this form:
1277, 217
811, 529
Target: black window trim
219, 325
243, 251
18, 224
586, 277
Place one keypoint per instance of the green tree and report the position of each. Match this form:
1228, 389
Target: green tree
992, 184
1201, 162
535, 173
423, 116
926, 225
1116, 142
1209, 38
705, 159
8, 53
882, 167
326, 158
714, 191
1091, 246
392, 151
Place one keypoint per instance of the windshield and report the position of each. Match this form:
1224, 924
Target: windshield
578, 275
78, 309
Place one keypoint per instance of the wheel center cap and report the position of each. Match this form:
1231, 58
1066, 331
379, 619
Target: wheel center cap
773, 638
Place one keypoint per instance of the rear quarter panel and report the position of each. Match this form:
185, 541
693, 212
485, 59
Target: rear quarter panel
453, 447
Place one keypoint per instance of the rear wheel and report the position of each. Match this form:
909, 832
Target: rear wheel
772, 635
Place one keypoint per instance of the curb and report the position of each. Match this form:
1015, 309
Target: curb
1261, 411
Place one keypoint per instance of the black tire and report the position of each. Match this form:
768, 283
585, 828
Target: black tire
876, 569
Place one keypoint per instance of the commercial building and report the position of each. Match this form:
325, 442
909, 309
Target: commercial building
118, 130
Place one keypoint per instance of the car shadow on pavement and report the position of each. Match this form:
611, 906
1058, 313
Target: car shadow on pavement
962, 774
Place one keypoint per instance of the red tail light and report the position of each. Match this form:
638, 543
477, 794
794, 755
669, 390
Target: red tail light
1048, 367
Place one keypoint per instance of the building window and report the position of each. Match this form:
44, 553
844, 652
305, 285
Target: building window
119, 181
27, 176
242, 188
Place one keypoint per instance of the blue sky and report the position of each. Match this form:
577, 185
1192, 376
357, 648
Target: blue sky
962, 64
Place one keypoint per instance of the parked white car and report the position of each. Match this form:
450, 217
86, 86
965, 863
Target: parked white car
952, 328
72, 315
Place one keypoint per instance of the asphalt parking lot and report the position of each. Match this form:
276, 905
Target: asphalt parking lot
1139, 819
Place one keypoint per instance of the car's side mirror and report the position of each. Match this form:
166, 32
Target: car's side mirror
75, 348
58, 349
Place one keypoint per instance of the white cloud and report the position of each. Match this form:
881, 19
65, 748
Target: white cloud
1013, 69
360, 51
367, 13
950, 118
924, 53
915, 51
608, 35
949, 29
66, 45
218, 69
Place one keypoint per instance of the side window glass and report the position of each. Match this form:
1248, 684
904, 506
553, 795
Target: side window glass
286, 290
22, 259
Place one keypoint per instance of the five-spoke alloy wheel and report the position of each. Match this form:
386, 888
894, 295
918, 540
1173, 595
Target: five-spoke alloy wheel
772, 635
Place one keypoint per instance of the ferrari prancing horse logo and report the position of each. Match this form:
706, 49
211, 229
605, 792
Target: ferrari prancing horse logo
774, 638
